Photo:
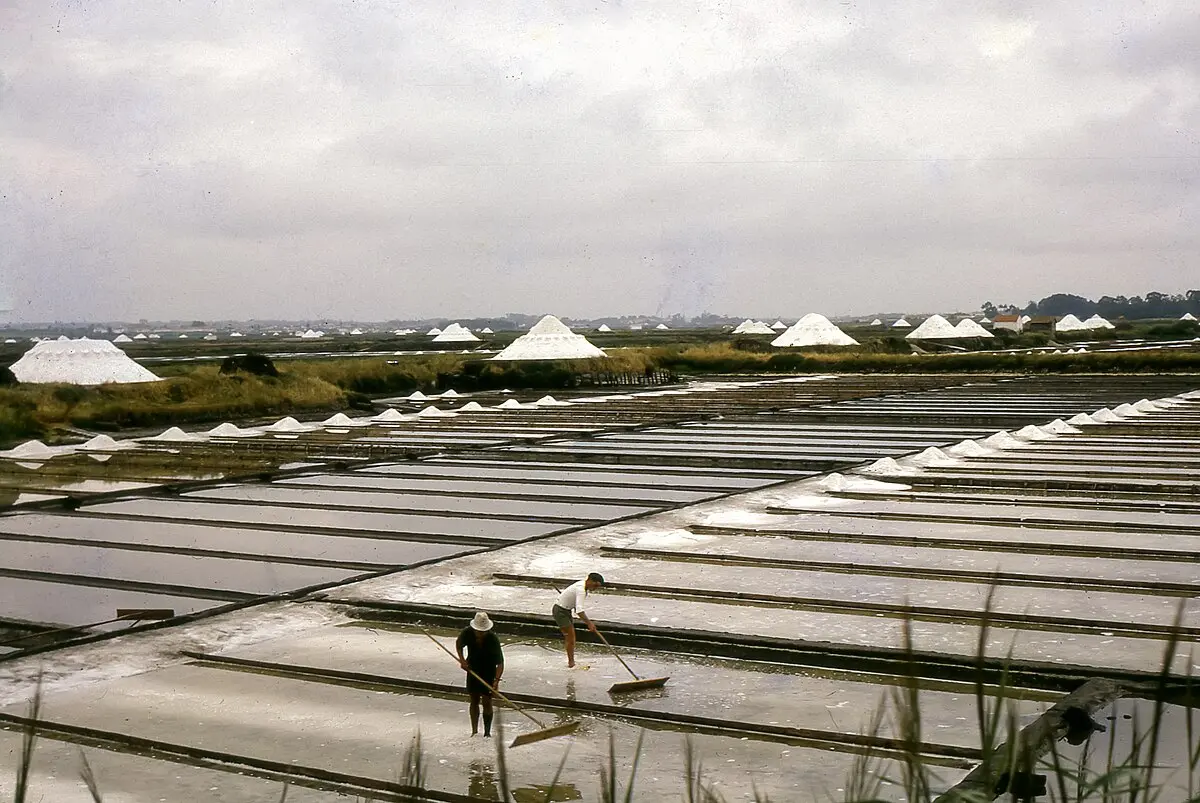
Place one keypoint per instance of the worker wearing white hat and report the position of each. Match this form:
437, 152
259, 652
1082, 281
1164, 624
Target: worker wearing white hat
484, 658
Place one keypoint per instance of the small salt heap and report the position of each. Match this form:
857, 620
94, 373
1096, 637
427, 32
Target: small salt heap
1060, 427
1002, 440
887, 465
968, 448
1032, 433
932, 456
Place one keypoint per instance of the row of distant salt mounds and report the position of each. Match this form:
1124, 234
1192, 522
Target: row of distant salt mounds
78, 362
549, 339
752, 327
1069, 323
1003, 440
455, 333
935, 327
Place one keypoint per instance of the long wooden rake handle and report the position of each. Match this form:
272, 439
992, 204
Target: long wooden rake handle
617, 655
519, 709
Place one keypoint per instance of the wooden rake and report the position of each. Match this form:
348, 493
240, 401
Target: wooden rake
638, 683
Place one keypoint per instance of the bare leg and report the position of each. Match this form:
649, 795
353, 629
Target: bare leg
569, 640
475, 712
487, 714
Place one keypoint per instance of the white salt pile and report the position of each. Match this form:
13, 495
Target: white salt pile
78, 362
887, 465
968, 328
1187, 316
1002, 440
342, 420
228, 430
105, 443
549, 339
779, 326
662, 326
749, 327
122, 338
813, 330
1069, 323
32, 450
604, 328
876, 322
416, 395
550, 401
902, 324
932, 456
390, 414
1032, 433
935, 327
288, 424
1096, 322
449, 394
471, 407
968, 448
1127, 411
1060, 427
511, 404
434, 332
1106, 416
1146, 406
486, 331
175, 435
455, 333
434, 412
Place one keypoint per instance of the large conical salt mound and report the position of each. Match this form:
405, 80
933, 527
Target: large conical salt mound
434, 331
1069, 323
935, 327
876, 322
779, 326
122, 338
813, 330
455, 333
550, 339
1096, 322
968, 328
78, 362
902, 324
604, 328
1187, 316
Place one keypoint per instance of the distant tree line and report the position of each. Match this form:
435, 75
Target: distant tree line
1153, 305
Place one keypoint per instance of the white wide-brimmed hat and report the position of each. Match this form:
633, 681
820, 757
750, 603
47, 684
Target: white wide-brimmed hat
481, 621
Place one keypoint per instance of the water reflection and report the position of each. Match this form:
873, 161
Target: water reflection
482, 783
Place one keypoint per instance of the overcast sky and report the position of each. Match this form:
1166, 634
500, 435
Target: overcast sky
372, 159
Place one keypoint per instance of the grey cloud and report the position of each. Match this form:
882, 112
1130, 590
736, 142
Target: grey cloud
372, 160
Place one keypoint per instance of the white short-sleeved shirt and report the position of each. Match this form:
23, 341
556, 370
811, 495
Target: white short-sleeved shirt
573, 597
